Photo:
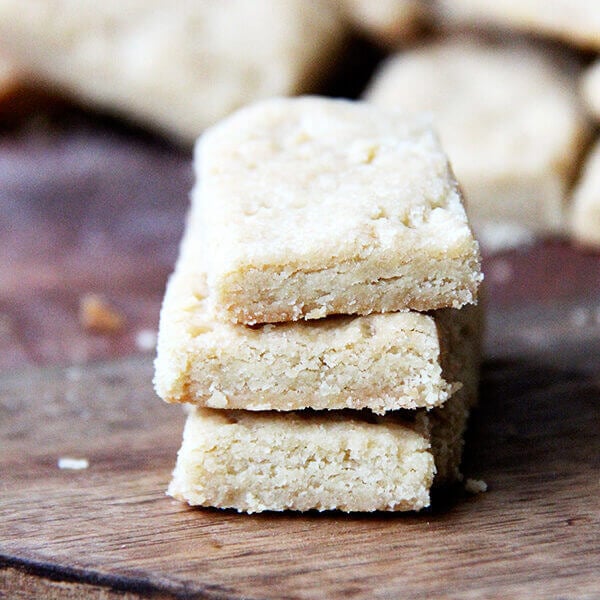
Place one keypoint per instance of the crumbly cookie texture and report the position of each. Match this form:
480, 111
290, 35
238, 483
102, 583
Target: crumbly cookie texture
176, 66
448, 423
344, 460
585, 207
387, 22
301, 461
508, 117
305, 460
573, 21
590, 89
312, 206
381, 361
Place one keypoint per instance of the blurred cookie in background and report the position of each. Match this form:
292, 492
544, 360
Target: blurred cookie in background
388, 23
20, 99
575, 22
174, 67
509, 118
590, 88
585, 209
9, 78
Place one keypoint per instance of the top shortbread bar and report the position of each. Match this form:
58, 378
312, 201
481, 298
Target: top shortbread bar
312, 206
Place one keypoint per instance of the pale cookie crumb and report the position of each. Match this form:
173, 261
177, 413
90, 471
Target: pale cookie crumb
475, 486
95, 314
73, 373
145, 340
500, 271
579, 317
73, 464
217, 400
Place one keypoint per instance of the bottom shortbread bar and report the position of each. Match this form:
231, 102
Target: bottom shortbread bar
301, 461
344, 460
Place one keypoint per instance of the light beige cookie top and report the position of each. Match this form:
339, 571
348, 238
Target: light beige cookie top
590, 89
387, 22
313, 206
177, 66
573, 21
508, 117
585, 208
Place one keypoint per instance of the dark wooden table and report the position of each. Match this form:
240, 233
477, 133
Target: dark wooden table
89, 207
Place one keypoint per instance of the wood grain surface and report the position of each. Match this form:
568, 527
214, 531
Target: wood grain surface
89, 207
533, 534
84, 208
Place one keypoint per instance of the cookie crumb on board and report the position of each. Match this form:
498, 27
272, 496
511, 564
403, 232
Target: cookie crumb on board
579, 316
475, 486
96, 314
145, 340
73, 464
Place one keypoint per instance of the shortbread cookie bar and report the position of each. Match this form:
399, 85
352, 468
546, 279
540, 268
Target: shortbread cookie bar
574, 21
382, 361
590, 89
346, 460
386, 22
509, 119
313, 206
304, 460
176, 66
585, 209
301, 461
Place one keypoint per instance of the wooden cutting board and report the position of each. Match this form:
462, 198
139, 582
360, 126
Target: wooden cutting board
109, 529
92, 208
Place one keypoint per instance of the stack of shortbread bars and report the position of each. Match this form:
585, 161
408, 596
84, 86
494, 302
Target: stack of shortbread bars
312, 322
